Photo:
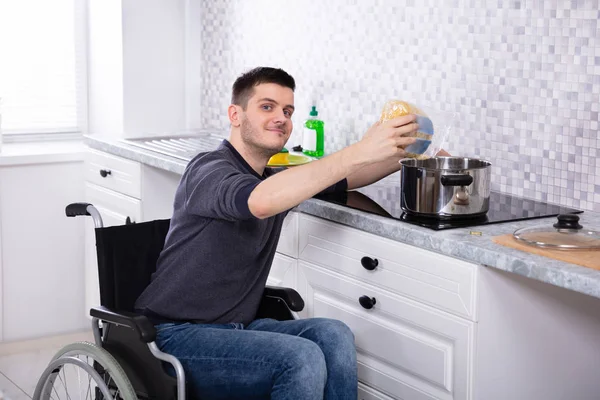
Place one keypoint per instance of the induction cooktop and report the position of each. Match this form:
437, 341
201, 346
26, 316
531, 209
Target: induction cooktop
384, 200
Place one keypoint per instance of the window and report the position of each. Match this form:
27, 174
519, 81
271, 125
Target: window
42, 68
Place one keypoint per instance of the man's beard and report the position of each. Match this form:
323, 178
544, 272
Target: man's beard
249, 135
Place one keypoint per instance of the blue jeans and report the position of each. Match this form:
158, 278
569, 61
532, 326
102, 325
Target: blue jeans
301, 359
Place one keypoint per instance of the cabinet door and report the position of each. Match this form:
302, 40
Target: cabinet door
405, 349
288, 241
42, 250
283, 272
115, 209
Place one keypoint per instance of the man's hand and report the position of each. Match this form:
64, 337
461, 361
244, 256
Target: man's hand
387, 140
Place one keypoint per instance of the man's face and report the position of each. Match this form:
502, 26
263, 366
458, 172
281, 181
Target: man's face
266, 124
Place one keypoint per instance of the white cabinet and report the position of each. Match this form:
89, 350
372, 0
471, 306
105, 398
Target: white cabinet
283, 271
42, 252
288, 241
434, 279
439, 328
406, 349
417, 340
368, 393
113, 186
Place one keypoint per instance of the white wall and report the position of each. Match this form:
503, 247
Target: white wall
193, 64
535, 341
105, 67
523, 77
136, 67
153, 66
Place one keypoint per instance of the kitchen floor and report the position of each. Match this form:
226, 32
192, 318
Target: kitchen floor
21, 363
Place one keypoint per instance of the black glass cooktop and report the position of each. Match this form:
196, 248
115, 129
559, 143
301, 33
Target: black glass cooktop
384, 200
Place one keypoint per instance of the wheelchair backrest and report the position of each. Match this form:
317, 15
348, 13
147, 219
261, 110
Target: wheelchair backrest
127, 256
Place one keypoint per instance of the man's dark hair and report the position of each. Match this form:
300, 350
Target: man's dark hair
243, 87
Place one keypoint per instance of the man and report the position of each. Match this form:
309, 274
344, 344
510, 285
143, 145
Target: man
228, 212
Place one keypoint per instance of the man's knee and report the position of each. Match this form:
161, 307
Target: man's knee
307, 364
337, 343
334, 331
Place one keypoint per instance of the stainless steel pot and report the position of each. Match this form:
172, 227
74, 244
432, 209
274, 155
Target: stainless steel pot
445, 187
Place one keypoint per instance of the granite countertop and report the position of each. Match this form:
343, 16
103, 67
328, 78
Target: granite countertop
459, 242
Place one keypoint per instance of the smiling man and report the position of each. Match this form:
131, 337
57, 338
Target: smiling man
228, 213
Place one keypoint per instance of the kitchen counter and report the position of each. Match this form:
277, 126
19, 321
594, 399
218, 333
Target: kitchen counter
459, 243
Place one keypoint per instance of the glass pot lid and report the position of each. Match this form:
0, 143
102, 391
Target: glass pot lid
565, 234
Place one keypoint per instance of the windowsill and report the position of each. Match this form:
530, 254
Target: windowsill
41, 152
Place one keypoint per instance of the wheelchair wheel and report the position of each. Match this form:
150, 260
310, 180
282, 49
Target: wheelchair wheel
84, 371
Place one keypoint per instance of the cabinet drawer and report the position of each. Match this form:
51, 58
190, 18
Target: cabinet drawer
288, 241
443, 282
120, 175
405, 349
114, 207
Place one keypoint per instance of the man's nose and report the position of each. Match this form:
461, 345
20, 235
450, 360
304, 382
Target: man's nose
280, 117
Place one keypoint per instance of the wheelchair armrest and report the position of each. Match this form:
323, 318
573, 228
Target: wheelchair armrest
291, 298
139, 323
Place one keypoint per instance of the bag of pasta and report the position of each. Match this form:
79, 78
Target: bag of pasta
434, 127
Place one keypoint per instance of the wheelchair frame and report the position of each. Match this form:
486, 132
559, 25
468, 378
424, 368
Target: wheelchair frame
100, 314
277, 302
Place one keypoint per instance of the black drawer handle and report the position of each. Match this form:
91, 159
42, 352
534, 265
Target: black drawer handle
104, 172
367, 302
369, 263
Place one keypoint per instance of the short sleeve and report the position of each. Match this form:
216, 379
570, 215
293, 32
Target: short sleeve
217, 189
341, 186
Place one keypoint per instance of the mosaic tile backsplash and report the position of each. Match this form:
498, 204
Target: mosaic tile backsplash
523, 76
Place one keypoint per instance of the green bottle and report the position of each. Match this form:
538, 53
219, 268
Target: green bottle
313, 140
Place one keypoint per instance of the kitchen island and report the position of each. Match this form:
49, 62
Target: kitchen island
456, 315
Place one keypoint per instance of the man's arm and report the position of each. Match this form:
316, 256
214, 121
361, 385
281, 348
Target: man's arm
374, 172
288, 188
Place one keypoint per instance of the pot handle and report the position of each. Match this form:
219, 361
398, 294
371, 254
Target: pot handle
457, 180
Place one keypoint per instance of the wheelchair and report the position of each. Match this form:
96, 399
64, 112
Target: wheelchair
124, 362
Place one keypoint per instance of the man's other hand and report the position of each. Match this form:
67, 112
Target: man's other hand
388, 139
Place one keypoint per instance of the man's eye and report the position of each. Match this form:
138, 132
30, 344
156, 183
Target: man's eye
267, 107
288, 113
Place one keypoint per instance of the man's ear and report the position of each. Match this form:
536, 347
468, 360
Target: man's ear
234, 112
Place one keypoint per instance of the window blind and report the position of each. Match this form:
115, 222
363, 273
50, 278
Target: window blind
41, 61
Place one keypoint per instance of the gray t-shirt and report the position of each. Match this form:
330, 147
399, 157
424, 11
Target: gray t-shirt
217, 255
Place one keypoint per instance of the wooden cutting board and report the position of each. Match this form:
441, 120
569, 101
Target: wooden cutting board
586, 258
